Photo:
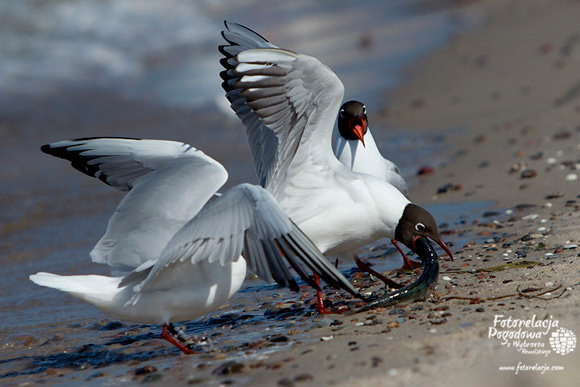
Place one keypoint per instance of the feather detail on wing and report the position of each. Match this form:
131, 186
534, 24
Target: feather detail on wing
168, 183
119, 161
256, 228
287, 101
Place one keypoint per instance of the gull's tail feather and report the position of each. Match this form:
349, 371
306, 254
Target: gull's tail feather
95, 289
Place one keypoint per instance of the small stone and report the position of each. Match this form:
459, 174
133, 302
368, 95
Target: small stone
570, 246
446, 278
562, 134
549, 284
111, 326
449, 187
571, 177
479, 309
517, 167
303, 378
285, 382
148, 369
327, 338
425, 170
278, 339
524, 206
438, 321
528, 174
229, 368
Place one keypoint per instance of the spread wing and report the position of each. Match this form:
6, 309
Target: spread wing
119, 161
169, 183
245, 220
287, 101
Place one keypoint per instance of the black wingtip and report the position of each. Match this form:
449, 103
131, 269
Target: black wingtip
292, 285
228, 23
46, 149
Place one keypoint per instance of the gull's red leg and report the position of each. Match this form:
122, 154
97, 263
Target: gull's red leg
319, 301
170, 334
363, 266
408, 264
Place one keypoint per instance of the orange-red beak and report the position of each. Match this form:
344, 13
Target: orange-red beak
444, 247
358, 125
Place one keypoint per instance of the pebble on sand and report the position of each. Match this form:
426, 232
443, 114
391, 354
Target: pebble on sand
425, 170
528, 174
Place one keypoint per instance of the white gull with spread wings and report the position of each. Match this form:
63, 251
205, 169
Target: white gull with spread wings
182, 248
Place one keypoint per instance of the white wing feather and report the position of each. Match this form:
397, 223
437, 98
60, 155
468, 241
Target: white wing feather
169, 183
287, 101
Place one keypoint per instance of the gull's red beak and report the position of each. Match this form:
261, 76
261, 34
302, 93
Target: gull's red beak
444, 247
357, 125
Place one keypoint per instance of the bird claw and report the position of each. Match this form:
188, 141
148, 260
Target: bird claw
170, 334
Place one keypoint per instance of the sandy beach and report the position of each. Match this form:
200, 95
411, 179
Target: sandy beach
503, 102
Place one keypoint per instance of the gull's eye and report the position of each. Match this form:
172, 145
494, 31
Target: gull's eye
420, 227
364, 109
341, 113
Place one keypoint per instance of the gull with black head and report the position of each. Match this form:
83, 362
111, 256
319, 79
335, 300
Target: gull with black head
288, 103
356, 148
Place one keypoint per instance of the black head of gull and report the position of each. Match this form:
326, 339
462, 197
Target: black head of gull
352, 121
416, 222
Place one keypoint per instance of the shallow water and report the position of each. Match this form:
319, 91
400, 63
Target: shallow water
83, 68
166, 52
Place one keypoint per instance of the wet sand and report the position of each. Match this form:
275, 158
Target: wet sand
504, 102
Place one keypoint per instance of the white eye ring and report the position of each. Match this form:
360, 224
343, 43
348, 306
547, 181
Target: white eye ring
341, 113
420, 227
